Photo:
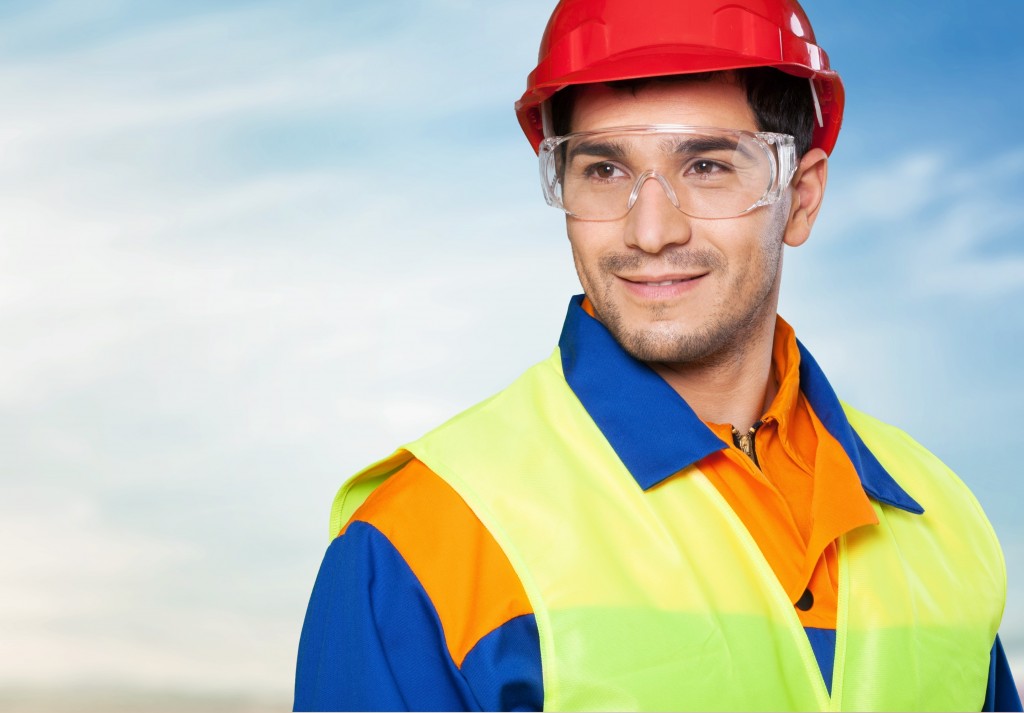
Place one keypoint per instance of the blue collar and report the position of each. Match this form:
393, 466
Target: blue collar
655, 432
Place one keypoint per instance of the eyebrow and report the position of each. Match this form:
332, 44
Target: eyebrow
702, 144
604, 149
697, 144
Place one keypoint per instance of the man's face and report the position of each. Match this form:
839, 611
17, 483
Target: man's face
671, 288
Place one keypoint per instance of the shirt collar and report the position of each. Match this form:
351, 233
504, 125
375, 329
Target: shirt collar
654, 431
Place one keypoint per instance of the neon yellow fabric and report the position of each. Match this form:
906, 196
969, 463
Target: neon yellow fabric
661, 600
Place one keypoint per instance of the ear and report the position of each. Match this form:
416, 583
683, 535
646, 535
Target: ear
808, 190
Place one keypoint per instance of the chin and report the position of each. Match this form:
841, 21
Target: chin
666, 346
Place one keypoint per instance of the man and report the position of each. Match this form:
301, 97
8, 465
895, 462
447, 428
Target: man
674, 511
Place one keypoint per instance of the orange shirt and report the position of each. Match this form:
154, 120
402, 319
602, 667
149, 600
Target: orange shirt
804, 494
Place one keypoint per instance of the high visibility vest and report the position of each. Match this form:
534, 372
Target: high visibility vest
640, 612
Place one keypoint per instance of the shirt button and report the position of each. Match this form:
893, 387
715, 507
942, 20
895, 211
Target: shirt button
806, 601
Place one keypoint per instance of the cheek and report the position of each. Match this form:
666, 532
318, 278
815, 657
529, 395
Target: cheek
577, 259
587, 249
583, 267
761, 244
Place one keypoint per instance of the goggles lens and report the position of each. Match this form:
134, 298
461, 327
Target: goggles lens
706, 173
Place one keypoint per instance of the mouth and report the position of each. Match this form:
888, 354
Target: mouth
660, 287
666, 283
662, 281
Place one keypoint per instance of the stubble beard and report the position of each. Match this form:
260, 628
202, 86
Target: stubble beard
722, 338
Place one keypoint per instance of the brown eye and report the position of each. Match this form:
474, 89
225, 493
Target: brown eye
603, 171
705, 168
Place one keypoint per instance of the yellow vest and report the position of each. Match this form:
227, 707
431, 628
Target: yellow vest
639, 611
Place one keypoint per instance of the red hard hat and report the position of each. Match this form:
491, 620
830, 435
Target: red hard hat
589, 41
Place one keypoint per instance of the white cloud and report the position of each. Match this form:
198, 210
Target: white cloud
894, 189
922, 215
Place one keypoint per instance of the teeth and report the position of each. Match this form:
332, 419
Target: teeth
666, 283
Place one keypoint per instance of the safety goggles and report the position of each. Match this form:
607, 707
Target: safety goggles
705, 172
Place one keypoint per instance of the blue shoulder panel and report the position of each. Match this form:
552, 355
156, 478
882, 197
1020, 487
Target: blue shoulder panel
504, 667
372, 639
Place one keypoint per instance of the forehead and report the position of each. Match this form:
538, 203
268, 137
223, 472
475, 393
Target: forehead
720, 103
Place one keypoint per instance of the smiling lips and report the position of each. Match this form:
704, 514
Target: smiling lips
660, 287
666, 283
663, 282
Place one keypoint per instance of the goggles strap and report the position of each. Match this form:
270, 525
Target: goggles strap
817, 104
546, 119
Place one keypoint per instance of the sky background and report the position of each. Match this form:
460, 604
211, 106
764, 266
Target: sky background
247, 248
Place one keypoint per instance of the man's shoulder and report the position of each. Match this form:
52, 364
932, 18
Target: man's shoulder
423, 517
413, 493
485, 428
449, 551
916, 468
863, 422
884, 436
544, 377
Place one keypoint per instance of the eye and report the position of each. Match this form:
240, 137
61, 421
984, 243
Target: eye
603, 171
704, 167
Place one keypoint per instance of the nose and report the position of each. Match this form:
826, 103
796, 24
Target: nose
654, 220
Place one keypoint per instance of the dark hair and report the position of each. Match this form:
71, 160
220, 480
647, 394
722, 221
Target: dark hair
781, 102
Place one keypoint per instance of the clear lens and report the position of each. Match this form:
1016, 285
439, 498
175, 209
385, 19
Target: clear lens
706, 173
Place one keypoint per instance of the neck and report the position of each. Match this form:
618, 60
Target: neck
734, 387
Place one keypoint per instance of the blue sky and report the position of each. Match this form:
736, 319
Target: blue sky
249, 247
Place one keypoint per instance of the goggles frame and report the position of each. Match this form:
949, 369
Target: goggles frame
779, 149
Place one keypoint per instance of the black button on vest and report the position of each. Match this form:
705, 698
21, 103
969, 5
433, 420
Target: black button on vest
806, 601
